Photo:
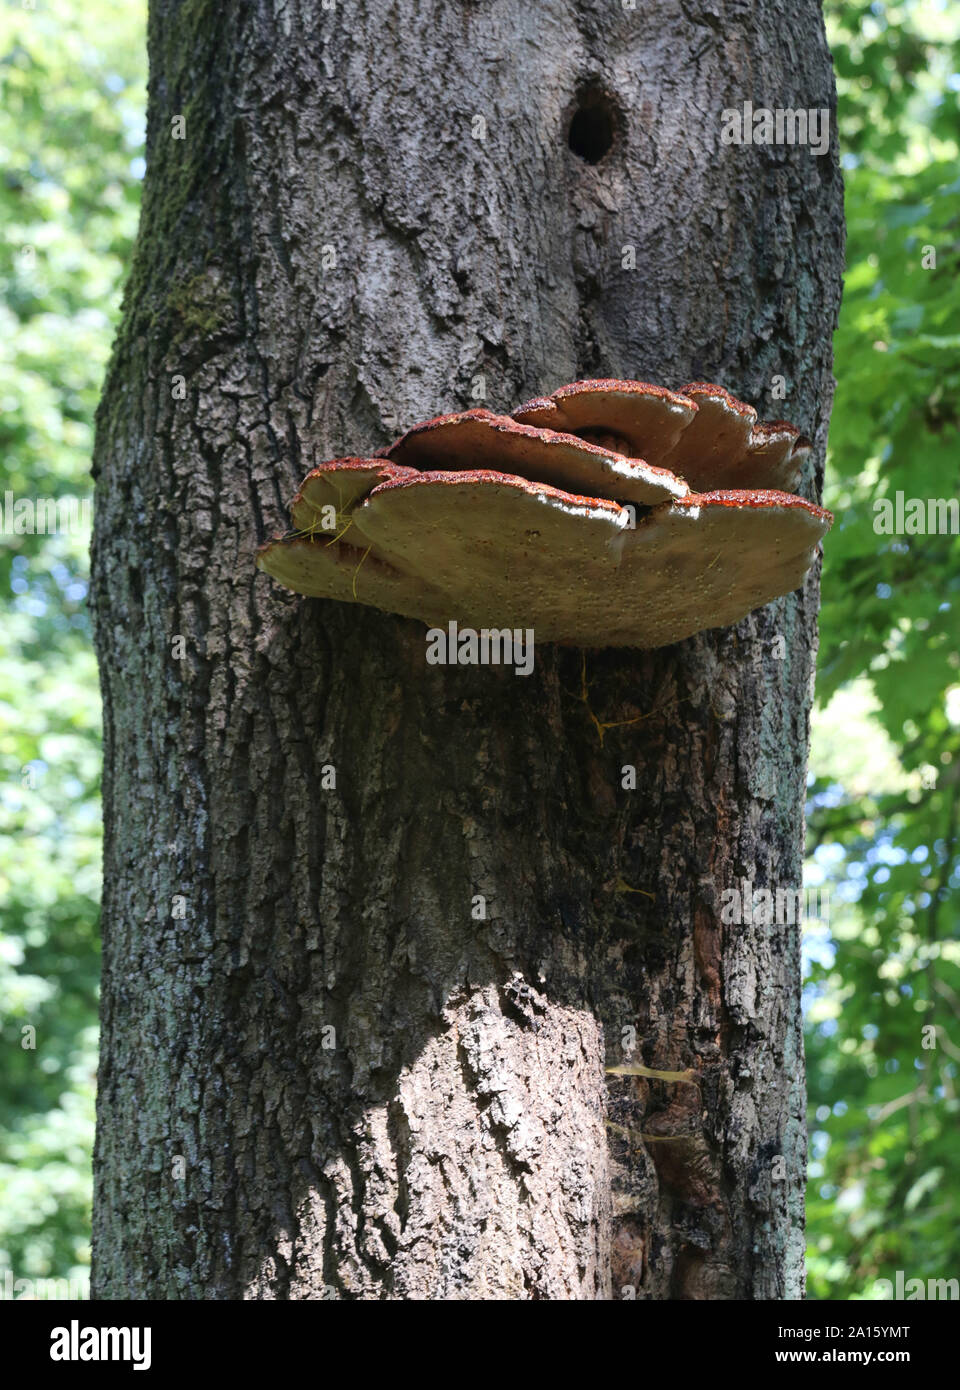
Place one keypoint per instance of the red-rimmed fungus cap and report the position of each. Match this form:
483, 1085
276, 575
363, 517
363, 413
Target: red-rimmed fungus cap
496, 522
702, 433
478, 439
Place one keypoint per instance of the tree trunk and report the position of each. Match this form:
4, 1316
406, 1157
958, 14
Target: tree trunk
373, 929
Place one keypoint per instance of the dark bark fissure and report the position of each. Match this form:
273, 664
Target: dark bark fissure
322, 1069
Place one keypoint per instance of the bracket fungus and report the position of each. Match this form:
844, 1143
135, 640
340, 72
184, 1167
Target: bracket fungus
702, 433
611, 513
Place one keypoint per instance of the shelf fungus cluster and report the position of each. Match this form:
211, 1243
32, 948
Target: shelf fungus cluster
612, 513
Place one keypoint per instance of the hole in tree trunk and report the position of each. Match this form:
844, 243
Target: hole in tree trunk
593, 126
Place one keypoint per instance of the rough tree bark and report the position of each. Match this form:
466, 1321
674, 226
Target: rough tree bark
321, 1075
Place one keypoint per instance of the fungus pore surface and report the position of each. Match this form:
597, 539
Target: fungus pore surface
611, 513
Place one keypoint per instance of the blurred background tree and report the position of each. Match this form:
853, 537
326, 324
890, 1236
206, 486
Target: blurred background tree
885, 1171
72, 100
884, 980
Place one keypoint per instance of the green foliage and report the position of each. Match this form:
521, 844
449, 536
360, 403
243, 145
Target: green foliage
71, 131
884, 812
